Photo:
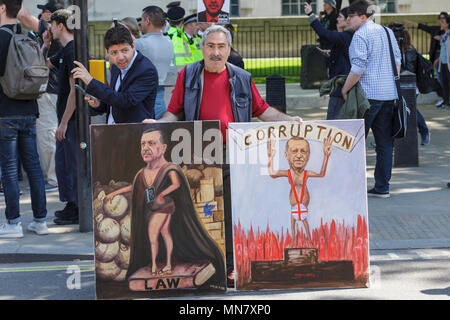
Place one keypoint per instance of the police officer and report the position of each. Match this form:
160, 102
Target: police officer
175, 16
181, 51
194, 41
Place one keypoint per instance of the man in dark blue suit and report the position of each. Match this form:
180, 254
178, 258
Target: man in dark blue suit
134, 81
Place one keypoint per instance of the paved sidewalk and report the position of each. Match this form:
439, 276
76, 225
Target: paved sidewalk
416, 216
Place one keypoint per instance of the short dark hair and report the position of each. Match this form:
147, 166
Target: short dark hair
443, 13
12, 7
344, 12
361, 8
156, 15
117, 35
61, 16
163, 137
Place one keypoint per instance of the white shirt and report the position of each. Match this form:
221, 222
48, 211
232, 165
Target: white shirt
122, 75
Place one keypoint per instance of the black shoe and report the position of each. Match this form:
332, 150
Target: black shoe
70, 210
66, 221
377, 194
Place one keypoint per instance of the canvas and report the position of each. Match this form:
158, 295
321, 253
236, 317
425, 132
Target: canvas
299, 202
213, 11
158, 209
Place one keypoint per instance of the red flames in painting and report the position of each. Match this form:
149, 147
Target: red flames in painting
334, 241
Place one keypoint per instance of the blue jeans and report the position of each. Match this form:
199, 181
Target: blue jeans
18, 137
160, 105
334, 108
421, 125
379, 119
66, 165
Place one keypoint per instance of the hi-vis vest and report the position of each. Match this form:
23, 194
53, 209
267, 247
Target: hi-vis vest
197, 54
182, 54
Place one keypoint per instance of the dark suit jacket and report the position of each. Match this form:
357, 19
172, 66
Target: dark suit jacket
135, 99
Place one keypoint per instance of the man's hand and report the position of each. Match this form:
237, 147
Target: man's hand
308, 8
81, 73
436, 62
344, 95
47, 38
297, 119
93, 102
327, 143
61, 132
410, 23
326, 53
438, 38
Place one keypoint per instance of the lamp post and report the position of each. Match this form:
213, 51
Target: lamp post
83, 120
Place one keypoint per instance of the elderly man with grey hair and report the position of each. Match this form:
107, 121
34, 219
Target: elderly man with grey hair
213, 89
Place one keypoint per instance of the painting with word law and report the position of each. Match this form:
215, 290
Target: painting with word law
158, 209
299, 204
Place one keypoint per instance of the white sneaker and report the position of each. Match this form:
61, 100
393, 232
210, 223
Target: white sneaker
439, 103
11, 230
38, 227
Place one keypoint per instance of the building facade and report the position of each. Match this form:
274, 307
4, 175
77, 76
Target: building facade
102, 10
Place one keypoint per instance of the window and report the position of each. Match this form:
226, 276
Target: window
295, 7
386, 6
234, 8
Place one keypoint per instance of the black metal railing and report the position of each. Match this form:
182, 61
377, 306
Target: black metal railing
267, 49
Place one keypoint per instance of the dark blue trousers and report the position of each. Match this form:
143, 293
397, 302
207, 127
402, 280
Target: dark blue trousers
66, 165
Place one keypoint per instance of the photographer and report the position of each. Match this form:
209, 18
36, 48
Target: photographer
338, 62
409, 63
435, 47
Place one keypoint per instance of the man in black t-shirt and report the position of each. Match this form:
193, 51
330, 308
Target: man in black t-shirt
47, 123
66, 134
18, 139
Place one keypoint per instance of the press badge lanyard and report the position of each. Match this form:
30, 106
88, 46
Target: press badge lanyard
291, 181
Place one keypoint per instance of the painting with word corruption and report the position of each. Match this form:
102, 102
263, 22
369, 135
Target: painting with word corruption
299, 202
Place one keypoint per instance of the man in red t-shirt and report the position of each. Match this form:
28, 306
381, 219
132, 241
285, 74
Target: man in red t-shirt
215, 100
216, 103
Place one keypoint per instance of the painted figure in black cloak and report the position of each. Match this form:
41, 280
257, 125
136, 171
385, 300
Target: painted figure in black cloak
162, 206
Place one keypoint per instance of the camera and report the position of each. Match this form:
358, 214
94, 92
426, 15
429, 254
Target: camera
398, 30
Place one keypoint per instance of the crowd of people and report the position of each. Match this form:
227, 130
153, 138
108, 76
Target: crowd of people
141, 53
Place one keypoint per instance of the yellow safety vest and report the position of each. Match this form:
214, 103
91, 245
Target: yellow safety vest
182, 54
196, 49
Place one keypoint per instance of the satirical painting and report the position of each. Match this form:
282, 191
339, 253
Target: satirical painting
213, 11
299, 203
158, 209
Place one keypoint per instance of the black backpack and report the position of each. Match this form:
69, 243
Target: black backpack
425, 75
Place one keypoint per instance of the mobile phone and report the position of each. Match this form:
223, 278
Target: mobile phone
308, 2
84, 93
